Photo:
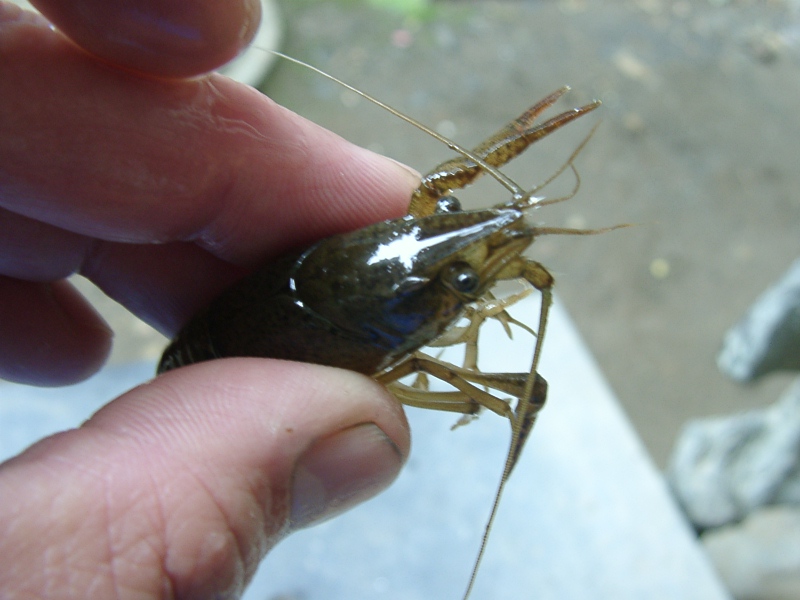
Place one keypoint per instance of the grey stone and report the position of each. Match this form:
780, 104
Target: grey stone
723, 468
767, 339
759, 559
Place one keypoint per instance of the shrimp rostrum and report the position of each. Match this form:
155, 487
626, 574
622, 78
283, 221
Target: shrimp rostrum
368, 300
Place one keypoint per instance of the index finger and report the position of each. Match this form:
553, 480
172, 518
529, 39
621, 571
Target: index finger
171, 38
121, 157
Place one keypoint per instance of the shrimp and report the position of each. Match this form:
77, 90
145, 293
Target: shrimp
370, 299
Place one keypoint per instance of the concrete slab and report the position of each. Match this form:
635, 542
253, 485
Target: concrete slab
585, 516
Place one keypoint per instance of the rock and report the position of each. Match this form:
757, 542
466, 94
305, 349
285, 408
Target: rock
723, 468
759, 559
768, 337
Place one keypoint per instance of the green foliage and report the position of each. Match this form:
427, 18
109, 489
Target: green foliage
405, 7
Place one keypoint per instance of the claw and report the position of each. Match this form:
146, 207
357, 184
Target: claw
506, 144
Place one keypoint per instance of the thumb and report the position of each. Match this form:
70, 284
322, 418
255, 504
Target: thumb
179, 487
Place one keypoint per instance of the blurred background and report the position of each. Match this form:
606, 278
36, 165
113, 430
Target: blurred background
697, 146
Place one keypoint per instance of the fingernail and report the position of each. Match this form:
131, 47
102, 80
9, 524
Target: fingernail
340, 471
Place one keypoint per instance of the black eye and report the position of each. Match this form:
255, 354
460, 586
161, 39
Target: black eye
463, 278
448, 204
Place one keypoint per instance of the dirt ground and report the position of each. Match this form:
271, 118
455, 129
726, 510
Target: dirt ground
697, 146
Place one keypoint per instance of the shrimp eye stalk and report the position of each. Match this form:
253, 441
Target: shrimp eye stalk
462, 278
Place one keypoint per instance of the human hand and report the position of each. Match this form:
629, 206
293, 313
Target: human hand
163, 190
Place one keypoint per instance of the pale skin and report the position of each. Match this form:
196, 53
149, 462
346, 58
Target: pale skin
163, 185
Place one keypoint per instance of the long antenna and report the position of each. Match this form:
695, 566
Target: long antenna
503, 179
